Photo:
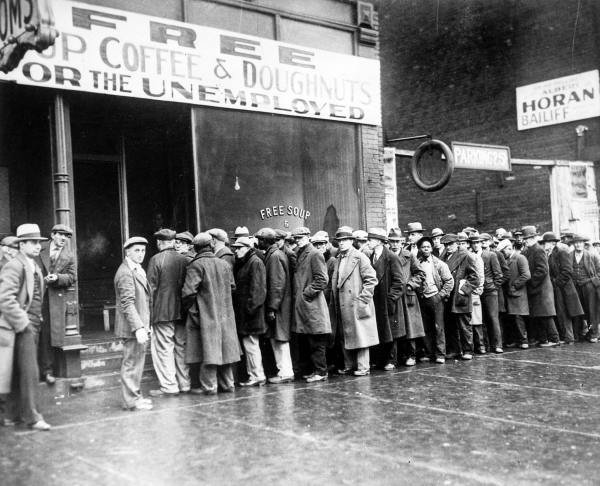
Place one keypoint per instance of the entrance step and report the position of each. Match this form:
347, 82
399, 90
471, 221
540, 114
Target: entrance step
105, 355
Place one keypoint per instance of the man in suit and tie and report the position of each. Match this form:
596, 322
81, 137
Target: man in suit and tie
132, 321
415, 233
57, 262
586, 275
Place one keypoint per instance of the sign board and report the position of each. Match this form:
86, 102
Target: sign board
390, 187
559, 100
481, 157
103, 50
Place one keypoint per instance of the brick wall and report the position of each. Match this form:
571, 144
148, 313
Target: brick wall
451, 67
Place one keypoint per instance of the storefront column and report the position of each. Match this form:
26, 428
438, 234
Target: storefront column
69, 358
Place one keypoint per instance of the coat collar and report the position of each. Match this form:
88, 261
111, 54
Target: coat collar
457, 258
303, 254
353, 259
29, 274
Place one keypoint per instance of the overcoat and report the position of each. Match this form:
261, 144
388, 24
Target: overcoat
66, 270
311, 314
166, 274
16, 292
386, 297
591, 264
250, 295
477, 311
227, 255
133, 302
561, 271
505, 276
279, 294
351, 308
3, 260
211, 330
540, 293
464, 272
516, 291
409, 312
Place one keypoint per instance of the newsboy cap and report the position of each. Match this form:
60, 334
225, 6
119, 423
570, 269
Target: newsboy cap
185, 236
449, 238
503, 244
29, 231
135, 240
415, 228
344, 233
243, 241
11, 242
201, 239
320, 237
62, 228
165, 235
300, 231
485, 236
218, 234
281, 234
266, 233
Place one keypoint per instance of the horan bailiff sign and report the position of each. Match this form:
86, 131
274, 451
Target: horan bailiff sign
558, 100
481, 157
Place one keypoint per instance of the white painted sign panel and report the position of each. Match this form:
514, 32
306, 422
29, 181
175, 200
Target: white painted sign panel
558, 100
481, 157
103, 50
390, 187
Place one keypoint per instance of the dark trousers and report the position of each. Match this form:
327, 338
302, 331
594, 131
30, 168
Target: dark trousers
432, 311
479, 337
587, 297
516, 331
489, 306
384, 353
318, 346
22, 402
563, 321
300, 352
45, 350
459, 332
545, 329
409, 347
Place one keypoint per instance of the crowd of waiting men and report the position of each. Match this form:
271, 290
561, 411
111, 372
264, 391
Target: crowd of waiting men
301, 305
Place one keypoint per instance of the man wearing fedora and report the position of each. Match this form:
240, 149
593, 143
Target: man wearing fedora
351, 307
434, 292
540, 294
166, 274
57, 262
132, 321
464, 241
395, 240
386, 297
566, 300
458, 308
436, 237
311, 314
517, 304
219, 246
586, 275
415, 233
361, 242
21, 303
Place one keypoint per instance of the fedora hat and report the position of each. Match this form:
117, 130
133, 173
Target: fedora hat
415, 228
344, 233
468, 229
507, 236
378, 233
361, 235
29, 231
577, 238
474, 238
549, 236
462, 236
528, 232
241, 231
437, 232
394, 234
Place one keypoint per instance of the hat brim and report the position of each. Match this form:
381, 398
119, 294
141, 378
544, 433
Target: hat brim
345, 238
31, 238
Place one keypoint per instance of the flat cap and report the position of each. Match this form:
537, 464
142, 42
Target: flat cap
266, 233
11, 242
185, 236
361, 235
241, 231
301, 231
165, 235
449, 238
202, 239
243, 241
280, 234
595, 242
320, 237
62, 228
344, 233
135, 240
218, 234
378, 233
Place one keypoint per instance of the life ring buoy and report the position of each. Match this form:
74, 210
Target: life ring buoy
440, 183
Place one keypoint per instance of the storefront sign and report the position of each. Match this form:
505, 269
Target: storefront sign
24, 25
390, 187
481, 157
559, 100
103, 50
284, 211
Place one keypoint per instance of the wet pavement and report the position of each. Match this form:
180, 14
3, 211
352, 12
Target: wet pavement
521, 418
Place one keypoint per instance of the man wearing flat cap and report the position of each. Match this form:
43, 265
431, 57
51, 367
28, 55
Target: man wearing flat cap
540, 294
311, 314
21, 303
219, 246
57, 262
183, 245
132, 321
360, 242
212, 339
415, 233
351, 308
166, 275
285, 248
9, 247
586, 275
566, 300
386, 297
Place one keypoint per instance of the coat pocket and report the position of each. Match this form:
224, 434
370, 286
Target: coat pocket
363, 311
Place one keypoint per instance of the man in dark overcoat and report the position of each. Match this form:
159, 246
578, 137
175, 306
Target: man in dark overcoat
516, 302
132, 321
351, 306
289, 253
487, 245
57, 262
21, 302
586, 275
566, 300
183, 244
219, 246
386, 299
249, 302
311, 314
278, 304
166, 274
540, 293
211, 329
395, 240
457, 310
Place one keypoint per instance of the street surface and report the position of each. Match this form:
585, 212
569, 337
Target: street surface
522, 418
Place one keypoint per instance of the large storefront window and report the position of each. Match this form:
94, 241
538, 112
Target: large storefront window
259, 170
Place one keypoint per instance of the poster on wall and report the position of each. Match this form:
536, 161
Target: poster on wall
558, 100
109, 51
391, 191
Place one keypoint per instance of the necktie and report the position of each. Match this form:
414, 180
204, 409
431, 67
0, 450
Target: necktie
375, 258
54, 255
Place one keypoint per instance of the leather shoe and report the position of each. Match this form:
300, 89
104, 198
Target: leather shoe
498, 351
160, 393
140, 406
316, 377
524, 346
410, 362
252, 382
40, 425
345, 371
276, 380
389, 367
362, 372
467, 357
440, 361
